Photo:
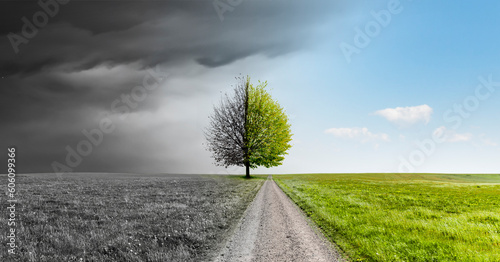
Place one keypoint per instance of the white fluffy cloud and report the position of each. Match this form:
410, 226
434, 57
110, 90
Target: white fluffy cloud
451, 136
406, 115
357, 133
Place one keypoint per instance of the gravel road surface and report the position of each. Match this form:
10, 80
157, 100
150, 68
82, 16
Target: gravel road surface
274, 229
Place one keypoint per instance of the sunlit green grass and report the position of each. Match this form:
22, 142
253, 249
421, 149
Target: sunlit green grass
403, 217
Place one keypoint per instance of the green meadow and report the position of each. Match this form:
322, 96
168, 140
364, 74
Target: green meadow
403, 217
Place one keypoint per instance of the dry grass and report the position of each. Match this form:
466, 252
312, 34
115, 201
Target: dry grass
125, 218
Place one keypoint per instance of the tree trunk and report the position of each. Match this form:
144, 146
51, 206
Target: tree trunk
247, 167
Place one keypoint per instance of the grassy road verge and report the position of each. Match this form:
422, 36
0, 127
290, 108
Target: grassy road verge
403, 217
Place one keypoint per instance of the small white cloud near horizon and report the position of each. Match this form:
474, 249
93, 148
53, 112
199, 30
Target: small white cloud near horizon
357, 133
451, 136
406, 115
486, 141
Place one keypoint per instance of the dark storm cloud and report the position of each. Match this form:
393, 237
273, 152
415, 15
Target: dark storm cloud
65, 77
84, 34
98, 16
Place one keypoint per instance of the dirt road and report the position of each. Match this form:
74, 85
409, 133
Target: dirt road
274, 229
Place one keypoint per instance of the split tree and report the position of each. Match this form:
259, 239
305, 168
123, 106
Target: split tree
249, 128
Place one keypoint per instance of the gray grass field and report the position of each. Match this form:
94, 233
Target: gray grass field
126, 217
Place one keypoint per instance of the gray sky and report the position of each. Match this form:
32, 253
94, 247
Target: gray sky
65, 78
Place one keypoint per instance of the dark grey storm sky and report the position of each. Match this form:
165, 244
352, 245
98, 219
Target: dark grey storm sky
66, 77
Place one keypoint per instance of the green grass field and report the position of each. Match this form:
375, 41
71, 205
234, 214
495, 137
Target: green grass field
125, 217
403, 217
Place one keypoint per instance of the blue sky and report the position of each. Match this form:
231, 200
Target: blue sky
429, 54
384, 108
